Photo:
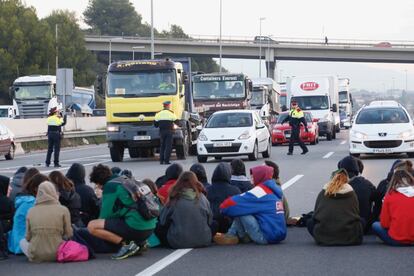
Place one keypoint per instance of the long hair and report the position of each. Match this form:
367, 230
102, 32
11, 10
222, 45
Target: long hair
61, 182
400, 178
29, 174
275, 170
187, 180
32, 185
339, 179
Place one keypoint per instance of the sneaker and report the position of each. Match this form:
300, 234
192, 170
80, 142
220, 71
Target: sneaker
126, 251
245, 239
57, 166
47, 165
225, 239
305, 152
289, 153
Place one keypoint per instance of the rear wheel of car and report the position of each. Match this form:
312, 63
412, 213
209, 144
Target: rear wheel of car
268, 152
202, 159
410, 154
255, 154
10, 155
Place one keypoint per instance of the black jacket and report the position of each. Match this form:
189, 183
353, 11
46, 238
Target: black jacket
6, 205
89, 202
201, 174
172, 172
72, 201
295, 122
220, 190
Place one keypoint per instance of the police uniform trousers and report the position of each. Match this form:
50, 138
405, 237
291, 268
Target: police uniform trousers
166, 140
53, 141
295, 138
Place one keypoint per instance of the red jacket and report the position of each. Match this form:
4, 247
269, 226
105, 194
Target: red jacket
397, 215
165, 189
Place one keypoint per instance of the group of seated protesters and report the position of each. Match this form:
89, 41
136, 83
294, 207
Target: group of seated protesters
38, 212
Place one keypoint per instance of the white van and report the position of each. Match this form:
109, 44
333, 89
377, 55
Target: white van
318, 95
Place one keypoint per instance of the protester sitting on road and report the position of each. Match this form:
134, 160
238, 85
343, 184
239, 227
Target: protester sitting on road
217, 193
201, 174
336, 219
22, 204
90, 203
276, 178
186, 218
172, 172
364, 189
48, 224
396, 225
119, 221
171, 175
29, 174
258, 214
151, 185
238, 176
6, 215
17, 182
68, 197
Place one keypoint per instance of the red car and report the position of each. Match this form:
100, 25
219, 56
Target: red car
281, 133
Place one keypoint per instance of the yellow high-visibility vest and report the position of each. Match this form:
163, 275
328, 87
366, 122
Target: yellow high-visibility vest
54, 121
165, 115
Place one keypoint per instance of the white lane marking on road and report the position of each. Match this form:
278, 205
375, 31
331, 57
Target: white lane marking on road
164, 262
343, 142
85, 165
62, 151
329, 154
291, 181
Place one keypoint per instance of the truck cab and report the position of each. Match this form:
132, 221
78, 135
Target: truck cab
345, 103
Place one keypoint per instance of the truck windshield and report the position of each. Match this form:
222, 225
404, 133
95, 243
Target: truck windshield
257, 98
142, 83
83, 98
219, 90
312, 102
343, 97
27, 92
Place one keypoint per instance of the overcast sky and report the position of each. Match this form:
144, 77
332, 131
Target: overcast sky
350, 19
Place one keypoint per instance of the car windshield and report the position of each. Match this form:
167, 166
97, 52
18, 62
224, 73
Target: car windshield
257, 98
26, 92
312, 102
142, 83
223, 120
283, 116
343, 97
382, 116
219, 90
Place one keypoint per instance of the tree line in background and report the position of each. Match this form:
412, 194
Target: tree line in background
28, 44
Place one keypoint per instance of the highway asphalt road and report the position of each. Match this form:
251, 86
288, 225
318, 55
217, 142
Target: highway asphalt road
303, 177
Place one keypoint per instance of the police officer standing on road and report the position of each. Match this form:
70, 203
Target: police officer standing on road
295, 118
165, 120
54, 133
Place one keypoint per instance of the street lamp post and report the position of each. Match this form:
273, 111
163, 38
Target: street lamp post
220, 41
260, 45
152, 29
110, 48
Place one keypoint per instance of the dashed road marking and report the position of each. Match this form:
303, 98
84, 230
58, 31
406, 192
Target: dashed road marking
329, 154
343, 142
164, 262
291, 181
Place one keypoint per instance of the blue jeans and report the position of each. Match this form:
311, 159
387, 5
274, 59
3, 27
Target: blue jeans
247, 225
382, 233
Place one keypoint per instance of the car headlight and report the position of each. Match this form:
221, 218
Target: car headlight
406, 134
112, 128
358, 134
245, 135
202, 137
277, 131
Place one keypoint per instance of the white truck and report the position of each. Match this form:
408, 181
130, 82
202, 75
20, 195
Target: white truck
33, 96
318, 95
345, 103
265, 97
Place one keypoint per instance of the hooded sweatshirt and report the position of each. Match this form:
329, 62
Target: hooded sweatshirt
90, 205
264, 202
72, 201
201, 174
242, 182
22, 205
17, 182
363, 188
48, 223
218, 192
6, 205
397, 214
336, 218
187, 221
171, 175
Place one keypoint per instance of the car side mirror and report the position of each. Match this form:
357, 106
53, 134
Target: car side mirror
334, 108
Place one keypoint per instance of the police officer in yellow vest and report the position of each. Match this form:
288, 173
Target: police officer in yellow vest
165, 120
54, 132
296, 118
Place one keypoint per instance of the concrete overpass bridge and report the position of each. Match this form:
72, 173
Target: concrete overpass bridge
276, 49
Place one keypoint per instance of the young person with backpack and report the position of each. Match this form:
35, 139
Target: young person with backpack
120, 222
258, 214
186, 218
396, 225
336, 219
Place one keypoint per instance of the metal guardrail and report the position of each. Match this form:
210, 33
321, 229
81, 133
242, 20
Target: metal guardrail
71, 134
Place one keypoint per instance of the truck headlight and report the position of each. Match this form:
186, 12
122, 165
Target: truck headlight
245, 135
406, 134
359, 135
202, 137
112, 128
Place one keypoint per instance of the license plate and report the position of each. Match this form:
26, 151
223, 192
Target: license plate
222, 144
287, 135
142, 138
382, 150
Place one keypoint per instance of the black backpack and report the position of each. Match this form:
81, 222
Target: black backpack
145, 202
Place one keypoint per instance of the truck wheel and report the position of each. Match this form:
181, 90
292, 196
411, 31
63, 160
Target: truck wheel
255, 154
10, 155
134, 152
202, 159
329, 136
117, 153
333, 134
193, 150
338, 129
268, 152
183, 149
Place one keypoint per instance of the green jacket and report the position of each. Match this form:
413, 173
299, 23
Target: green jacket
115, 202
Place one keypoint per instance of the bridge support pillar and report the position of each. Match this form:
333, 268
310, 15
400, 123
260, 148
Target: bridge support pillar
270, 63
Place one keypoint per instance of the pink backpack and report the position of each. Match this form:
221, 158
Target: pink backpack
71, 251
